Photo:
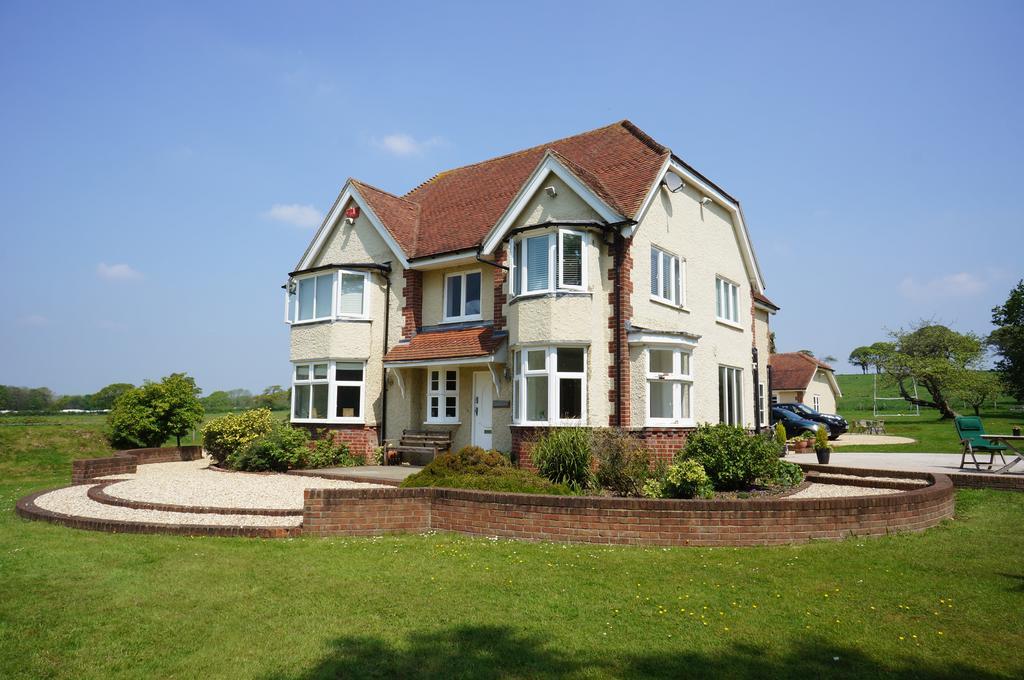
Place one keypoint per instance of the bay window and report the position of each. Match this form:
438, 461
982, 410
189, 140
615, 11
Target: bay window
328, 391
727, 304
443, 395
669, 386
730, 395
548, 262
462, 296
667, 275
312, 297
549, 386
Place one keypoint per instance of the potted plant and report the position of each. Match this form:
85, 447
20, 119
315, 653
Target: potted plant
821, 445
780, 439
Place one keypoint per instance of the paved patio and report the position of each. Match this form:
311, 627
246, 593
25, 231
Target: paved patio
943, 463
375, 474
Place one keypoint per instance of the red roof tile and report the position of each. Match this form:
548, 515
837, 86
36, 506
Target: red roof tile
763, 299
456, 209
793, 370
454, 344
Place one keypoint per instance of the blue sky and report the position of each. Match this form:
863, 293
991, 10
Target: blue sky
163, 164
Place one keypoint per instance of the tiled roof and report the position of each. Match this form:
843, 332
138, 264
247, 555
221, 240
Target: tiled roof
455, 209
459, 343
763, 299
794, 370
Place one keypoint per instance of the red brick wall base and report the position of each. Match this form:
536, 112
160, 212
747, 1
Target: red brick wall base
361, 439
124, 462
353, 512
662, 442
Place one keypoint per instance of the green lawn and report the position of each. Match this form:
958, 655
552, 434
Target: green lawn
76, 604
932, 433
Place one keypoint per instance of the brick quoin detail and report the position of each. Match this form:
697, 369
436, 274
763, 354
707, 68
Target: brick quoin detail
360, 439
412, 311
621, 274
500, 296
361, 512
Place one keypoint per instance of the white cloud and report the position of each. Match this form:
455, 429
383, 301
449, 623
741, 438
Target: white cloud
959, 285
295, 214
117, 272
34, 321
401, 144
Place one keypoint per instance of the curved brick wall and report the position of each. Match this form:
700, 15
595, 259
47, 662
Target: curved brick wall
124, 462
331, 512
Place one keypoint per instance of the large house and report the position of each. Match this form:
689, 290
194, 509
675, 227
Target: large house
799, 377
597, 280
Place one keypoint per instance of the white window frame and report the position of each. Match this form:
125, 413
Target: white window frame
677, 273
677, 378
817, 402
291, 312
366, 293
732, 396
727, 297
332, 390
762, 404
441, 394
519, 271
521, 371
462, 303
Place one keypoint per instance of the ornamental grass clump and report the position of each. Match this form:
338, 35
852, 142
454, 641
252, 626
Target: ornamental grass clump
563, 456
732, 459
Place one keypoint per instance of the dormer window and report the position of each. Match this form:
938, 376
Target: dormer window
548, 262
462, 296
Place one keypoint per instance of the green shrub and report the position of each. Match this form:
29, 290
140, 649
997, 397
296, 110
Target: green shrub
501, 478
231, 433
730, 457
687, 479
328, 453
147, 416
563, 456
467, 460
821, 438
623, 462
780, 435
283, 448
787, 474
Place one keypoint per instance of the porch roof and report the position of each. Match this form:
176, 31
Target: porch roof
461, 343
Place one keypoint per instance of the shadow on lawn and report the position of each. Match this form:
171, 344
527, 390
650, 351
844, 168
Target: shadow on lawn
488, 652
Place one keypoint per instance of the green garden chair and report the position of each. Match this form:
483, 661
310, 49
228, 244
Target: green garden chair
970, 429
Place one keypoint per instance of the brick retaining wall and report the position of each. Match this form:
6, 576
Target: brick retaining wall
331, 512
124, 462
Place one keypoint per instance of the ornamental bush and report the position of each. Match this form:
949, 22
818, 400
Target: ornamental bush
730, 457
328, 453
623, 462
787, 474
563, 456
232, 432
499, 478
283, 448
687, 479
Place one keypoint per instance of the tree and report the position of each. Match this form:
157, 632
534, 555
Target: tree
146, 416
217, 402
938, 358
861, 357
178, 406
1008, 340
805, 351
980, 387
829, 359
275, 398
877, 351
105, 398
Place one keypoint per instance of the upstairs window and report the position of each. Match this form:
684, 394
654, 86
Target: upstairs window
462, 296
667, 277
548, 262
312, 298
727, 301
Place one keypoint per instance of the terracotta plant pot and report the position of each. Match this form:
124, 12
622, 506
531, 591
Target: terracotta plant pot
823, 455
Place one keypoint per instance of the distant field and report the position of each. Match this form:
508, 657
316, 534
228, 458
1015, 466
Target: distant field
933, 434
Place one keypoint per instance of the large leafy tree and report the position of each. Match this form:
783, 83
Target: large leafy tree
106, 397
1008, 340
937, 358
147, 416
978, 388
862, 358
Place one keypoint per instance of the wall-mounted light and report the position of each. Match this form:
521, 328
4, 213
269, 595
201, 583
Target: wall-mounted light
551, 191
705, 201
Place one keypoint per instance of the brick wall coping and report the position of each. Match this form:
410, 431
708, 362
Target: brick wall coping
99, 494
941, 486
961, 480
27, 509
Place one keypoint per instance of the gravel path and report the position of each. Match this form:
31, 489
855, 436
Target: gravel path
190, 483
839, 490
72, 500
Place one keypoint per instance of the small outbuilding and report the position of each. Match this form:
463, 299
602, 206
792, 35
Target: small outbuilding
798, 377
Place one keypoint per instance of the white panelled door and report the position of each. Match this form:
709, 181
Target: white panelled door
483, 396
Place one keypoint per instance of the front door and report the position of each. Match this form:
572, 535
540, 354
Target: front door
483, 396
